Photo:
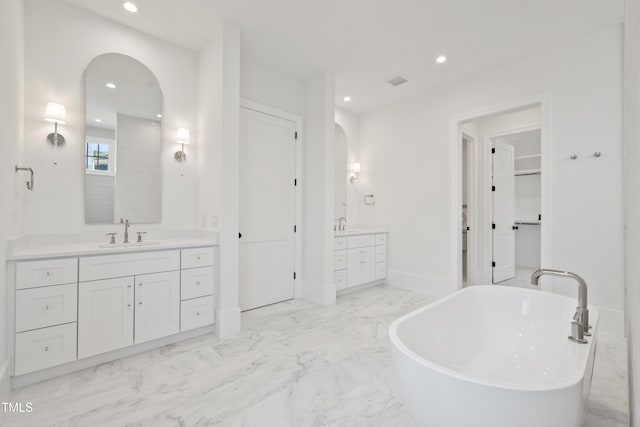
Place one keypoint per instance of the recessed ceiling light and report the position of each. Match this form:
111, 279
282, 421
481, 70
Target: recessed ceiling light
159, 116
347, 98
111, 85
441, 59
130, 7
97, 120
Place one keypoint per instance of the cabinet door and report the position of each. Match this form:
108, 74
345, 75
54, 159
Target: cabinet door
105, 316
157, 306
360, 265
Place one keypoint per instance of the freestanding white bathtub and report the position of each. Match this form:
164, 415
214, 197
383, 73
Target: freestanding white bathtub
494, 356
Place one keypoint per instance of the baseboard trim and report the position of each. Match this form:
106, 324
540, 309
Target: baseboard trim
322, 295
437, 287
228, 322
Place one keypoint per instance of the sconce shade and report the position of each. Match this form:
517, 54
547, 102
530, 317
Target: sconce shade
355, 167
183, 136
55, 113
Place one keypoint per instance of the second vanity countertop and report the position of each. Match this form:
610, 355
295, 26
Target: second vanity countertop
43, 250
361, 231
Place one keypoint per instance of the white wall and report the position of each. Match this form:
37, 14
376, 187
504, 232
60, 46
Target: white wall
11, 116
632, 200
219, 159
350, 123
407, 160
271, 87
318, 190
55, 62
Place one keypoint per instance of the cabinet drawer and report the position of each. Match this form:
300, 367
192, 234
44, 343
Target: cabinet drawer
49, 306
381, 253
130, 264
381, 270
341, 279
197, 257
340, 243
340, 260
44, 348
196, 282
33, 274
196, 313
381, 239
361, 241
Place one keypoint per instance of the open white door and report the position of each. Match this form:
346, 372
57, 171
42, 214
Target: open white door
267, 209
504, 196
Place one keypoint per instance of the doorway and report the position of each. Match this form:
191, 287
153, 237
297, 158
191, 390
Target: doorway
268, 184
503, 191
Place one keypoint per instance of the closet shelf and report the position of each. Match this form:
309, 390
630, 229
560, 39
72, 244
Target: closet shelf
531, 156
528, 172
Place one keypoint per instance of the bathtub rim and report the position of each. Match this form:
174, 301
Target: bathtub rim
399, 344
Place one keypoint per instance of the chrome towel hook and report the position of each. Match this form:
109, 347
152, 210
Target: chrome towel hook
30, 182
597, 154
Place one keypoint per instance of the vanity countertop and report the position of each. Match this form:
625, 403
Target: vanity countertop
53, 250
360, 231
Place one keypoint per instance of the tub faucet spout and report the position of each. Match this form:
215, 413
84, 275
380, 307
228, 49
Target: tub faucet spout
580, 323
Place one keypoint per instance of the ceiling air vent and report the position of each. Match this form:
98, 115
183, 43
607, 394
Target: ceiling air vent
397, 81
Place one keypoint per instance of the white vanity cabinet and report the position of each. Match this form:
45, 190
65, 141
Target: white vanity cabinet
105, 316
360, 259
157, 308
68, 309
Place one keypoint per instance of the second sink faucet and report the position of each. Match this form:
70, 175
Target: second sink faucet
340, 225
580, 323
126, 229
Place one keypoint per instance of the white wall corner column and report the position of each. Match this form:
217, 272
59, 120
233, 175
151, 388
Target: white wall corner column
632, 200
11, 122
318, 185
219, 103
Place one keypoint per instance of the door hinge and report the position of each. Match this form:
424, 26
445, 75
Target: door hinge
296, 136
493, 188
493, 263
239, 235
539, 217
493, 226
294, 275
295, 182
493, 151
295, 228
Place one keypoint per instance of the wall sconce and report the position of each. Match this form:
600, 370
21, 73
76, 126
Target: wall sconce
355, 169
55, 113
182, 137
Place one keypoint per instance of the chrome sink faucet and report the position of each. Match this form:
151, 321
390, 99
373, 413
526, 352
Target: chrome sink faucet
580, 323
342, 226
126, 229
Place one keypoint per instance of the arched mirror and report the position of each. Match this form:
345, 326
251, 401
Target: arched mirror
123, 141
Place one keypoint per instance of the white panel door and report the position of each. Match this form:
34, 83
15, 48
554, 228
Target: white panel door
267, 209
105, 316
503, 213
157, 306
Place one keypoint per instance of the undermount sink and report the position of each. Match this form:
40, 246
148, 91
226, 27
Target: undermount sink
127, 245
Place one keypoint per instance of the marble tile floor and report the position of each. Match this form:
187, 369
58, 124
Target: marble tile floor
294, 364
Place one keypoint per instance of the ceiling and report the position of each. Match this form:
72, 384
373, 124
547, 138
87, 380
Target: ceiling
365, 42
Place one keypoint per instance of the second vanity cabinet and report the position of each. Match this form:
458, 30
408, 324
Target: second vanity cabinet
73, 308
360, 259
